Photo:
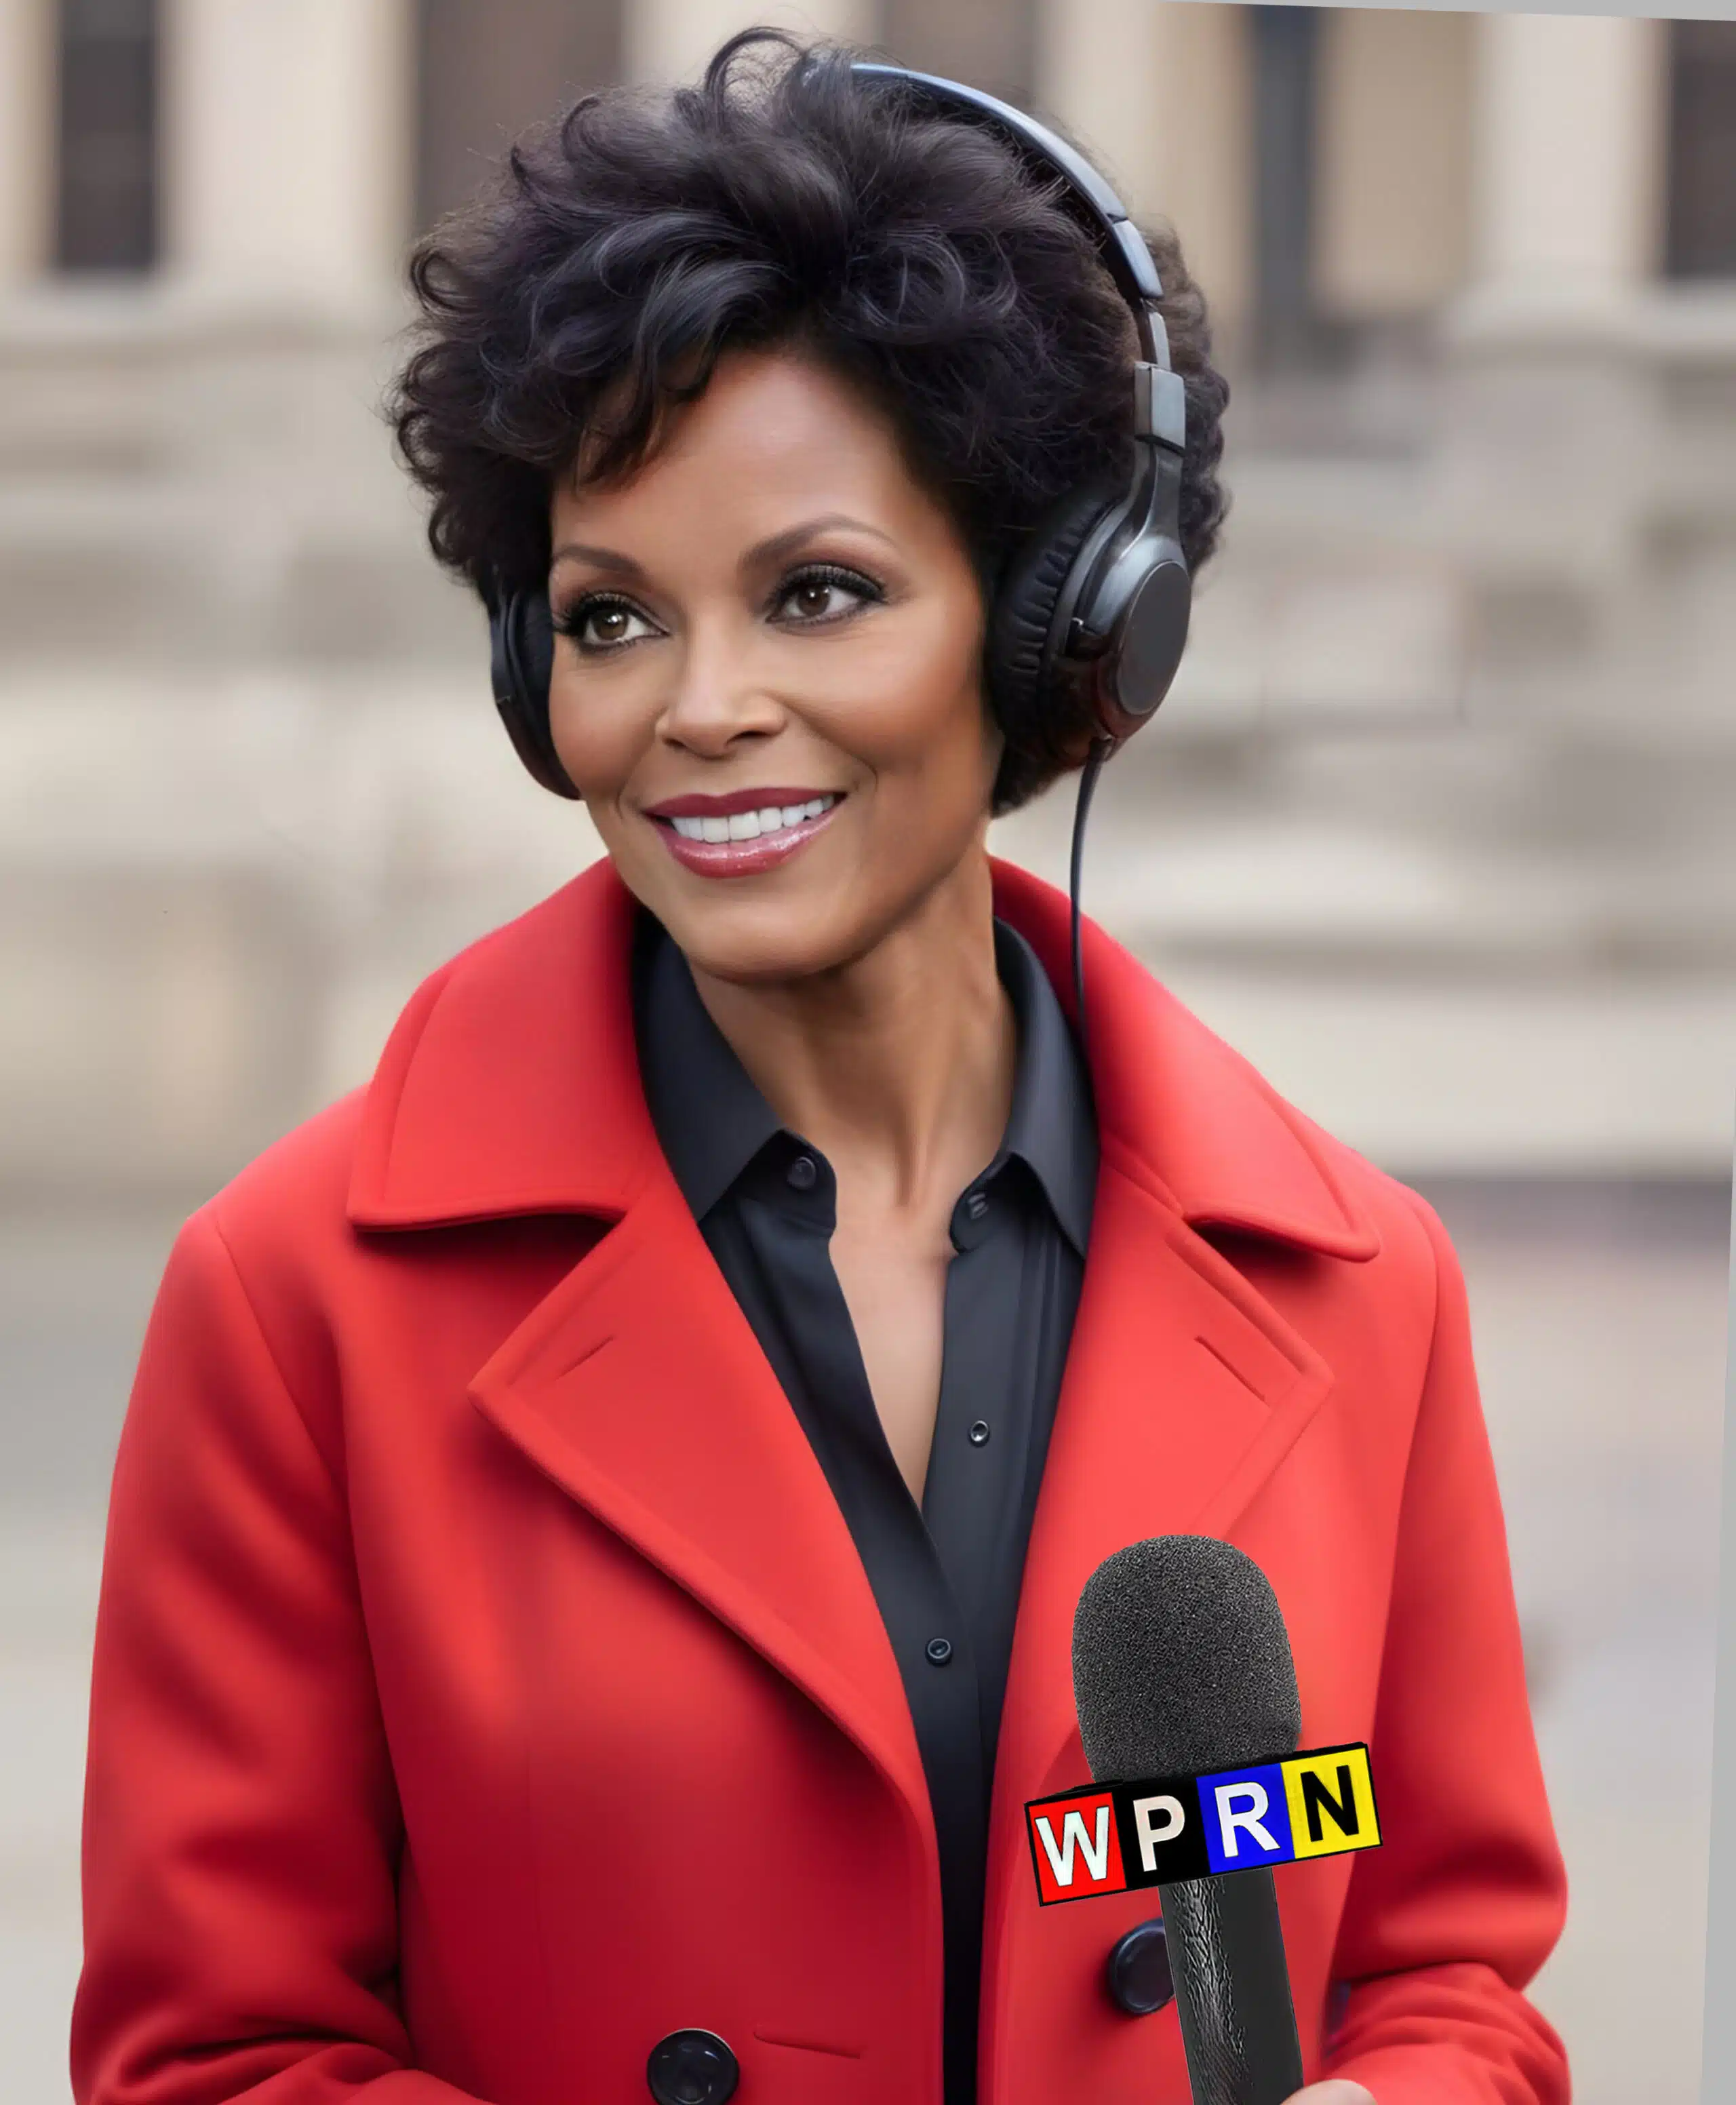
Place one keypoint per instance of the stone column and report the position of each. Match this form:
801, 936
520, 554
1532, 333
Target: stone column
1568, 134
1159, 92
27, 97
287, 129
671, 39
1393, 162
1549, 466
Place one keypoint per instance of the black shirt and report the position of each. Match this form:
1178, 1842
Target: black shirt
946, 1577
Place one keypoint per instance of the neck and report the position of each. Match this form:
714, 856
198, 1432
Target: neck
898, 1065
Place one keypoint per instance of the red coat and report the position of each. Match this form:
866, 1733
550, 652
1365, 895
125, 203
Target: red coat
486, 1684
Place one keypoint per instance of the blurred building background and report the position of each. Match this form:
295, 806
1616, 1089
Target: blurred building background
1436, 826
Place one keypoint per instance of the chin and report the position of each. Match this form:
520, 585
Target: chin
797, 923
758, 941
766, 950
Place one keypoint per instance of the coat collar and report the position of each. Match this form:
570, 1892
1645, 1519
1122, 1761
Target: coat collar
511, 1085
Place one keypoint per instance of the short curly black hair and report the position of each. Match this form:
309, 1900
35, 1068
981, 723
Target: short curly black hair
784, 200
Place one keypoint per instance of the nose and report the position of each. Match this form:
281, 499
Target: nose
718, 698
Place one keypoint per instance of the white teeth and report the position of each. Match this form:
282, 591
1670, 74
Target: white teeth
749, 825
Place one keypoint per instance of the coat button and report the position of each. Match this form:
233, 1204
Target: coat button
1138, 1971
692, 2067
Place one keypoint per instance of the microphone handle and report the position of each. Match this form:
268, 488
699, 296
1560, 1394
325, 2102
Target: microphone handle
1226, 1956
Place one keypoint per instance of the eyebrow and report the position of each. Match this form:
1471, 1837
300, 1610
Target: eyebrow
773, 546
786, 543
599, 559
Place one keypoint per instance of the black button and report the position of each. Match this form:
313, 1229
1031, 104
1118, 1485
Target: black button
976, 1205
1138, 1971
803, 1174
692, 2067
979, 1433
940, 1651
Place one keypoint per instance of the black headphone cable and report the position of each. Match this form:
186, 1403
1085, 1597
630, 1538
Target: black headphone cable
1100, 750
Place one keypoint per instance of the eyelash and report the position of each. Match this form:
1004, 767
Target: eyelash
571, 621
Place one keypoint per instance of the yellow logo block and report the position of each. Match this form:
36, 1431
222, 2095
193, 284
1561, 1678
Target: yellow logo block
1332, 1803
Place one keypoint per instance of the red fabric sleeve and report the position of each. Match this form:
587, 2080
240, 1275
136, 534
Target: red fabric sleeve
241, 1825
1445, 1924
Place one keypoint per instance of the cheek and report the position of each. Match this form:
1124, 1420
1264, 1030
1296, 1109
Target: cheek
919, 710
599, 732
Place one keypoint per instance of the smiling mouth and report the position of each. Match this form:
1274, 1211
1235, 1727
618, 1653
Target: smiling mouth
748, 825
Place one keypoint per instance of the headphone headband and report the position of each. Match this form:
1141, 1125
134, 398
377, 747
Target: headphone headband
1125, 254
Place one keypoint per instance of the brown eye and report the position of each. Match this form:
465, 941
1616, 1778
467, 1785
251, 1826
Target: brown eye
820, 596
600, 625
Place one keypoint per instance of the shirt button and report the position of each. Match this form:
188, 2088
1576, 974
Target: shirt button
979, 1433
803, 1174
976, 1205
940, 1651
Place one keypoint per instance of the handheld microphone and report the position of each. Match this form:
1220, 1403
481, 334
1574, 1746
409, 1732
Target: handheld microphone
1181, 1664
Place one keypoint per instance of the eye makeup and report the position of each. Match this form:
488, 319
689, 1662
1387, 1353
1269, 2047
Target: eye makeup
574, 620
828, 578
601, 624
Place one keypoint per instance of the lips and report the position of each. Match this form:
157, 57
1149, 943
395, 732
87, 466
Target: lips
743, 832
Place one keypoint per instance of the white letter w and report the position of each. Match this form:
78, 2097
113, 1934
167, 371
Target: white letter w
1074, 1836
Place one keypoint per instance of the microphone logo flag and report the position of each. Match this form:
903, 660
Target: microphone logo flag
1130, 1834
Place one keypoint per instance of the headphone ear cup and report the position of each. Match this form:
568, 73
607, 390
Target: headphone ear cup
521, 641
1022, 642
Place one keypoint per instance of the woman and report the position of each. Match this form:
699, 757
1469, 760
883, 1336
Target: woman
596, 1532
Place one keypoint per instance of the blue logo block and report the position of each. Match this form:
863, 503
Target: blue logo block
1247, 1817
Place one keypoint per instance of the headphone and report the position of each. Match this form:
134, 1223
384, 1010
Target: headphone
1101, 583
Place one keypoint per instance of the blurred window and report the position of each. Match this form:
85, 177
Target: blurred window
1701, 238
106, 200
990, 43
486, 72
1285, 43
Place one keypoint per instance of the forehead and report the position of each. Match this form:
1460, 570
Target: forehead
775, 433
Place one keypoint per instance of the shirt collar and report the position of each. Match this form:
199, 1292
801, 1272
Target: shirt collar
713, 1121
1050, 1128
709, 1113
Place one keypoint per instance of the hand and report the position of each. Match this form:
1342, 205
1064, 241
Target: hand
1337, 2092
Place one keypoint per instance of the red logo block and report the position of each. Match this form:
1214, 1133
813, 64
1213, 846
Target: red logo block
1075, 1847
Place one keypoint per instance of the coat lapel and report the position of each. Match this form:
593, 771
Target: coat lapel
1183, 1392
510, 1086
638, 1386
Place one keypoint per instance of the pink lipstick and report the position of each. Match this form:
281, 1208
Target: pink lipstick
741, 832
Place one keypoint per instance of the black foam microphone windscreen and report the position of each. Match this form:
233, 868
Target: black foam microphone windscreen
1181, 1666
1181, 1662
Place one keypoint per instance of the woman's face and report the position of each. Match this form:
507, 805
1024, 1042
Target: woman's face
767, 675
